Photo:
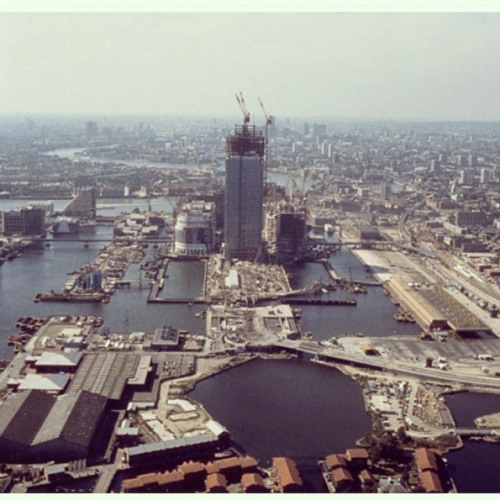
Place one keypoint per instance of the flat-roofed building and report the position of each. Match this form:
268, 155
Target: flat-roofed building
28, 221
470, 218
285, 234
165, 338
367, 232
233, 280
140, 376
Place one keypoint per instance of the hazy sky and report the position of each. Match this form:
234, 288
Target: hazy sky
368, 65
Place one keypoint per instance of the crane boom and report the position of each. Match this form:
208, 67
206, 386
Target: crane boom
269, 121
241, 102
269, 118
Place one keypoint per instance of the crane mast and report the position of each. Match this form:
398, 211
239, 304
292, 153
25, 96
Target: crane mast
269, 121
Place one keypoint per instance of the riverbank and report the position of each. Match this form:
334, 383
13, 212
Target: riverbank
398, 402
384, 264
178, 415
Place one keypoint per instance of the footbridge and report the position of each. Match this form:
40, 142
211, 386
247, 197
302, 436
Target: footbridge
461, 431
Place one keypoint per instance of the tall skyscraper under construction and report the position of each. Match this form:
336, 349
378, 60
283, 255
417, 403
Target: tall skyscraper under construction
244, 193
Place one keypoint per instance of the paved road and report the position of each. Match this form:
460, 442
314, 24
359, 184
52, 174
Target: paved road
13, 370
385, 363
107, 473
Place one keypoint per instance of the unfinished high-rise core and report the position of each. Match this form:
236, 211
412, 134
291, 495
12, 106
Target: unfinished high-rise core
245, 151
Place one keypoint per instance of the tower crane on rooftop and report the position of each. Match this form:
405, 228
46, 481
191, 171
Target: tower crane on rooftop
269, 118
269, 121
241, 102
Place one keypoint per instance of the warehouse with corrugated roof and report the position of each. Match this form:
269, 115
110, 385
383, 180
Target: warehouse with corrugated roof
434, 308
426, 314
39, 427
106, 373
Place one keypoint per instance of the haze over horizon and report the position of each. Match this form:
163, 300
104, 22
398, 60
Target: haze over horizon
401, 66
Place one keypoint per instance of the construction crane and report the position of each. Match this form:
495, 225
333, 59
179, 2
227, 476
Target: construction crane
269, 121
241, 102
269, 118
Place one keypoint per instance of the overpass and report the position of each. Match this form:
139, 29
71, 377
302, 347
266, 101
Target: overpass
382, 363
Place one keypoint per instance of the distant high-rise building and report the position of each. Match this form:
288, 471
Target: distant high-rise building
244, 193
472, 161
385, 191
319, 129
462, 161
485, 176
91, 130
435, 166
465, 177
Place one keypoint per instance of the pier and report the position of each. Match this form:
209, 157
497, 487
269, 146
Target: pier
70, 297
344, 281
320, 302
178, 300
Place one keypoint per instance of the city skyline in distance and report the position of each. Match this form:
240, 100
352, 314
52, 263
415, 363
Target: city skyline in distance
401, 66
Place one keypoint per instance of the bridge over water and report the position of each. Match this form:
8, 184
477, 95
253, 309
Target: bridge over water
462, 431
375, 244
87, 241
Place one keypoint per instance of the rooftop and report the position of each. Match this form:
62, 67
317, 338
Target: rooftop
44, 382
65, 359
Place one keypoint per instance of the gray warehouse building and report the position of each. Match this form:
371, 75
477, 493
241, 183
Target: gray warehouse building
38, 427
